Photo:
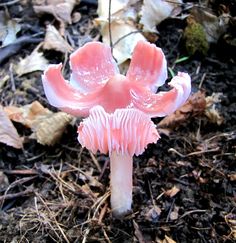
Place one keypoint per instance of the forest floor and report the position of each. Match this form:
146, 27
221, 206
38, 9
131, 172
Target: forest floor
184, 186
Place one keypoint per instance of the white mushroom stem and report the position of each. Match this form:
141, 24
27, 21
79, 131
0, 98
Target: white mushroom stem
121, 183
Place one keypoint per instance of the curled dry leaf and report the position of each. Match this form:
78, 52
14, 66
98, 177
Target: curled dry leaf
34, 62
8, 133
211, 112
172, 192
123, 47
195, 105
47, 126
213, 25
167, 240
54, 40
175, 213
153, 214
8, 29
155, 11
49, 129
4, 182
120, 9
27, 114
60, 9
124, 33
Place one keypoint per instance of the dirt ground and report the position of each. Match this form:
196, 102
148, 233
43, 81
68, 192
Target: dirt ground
184, 186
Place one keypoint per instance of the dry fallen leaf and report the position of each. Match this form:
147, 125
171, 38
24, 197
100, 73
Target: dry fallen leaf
123, 47
60, 9
232, 177
47, 126
120, 9
8, 133
153, 214
175, 213
195, 105
155, 11
124, 33
54, 40
34, 62
172, 192
49, 129
213, 25
8, 29
167, 240
211, 112
4, 182
27, 114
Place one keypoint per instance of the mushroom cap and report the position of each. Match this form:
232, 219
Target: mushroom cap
95, 80
126, 131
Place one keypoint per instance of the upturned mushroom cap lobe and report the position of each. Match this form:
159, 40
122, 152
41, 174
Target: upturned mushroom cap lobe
113, 95
126, 131
148, 66
116, 91
163, 103
92, 65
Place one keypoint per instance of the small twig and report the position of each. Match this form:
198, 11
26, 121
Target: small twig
102, 213
202, 80
170, 210
193, 153
15, 195
9, 3
54, 221
103, 169
21, 172
137, 232
109, 26
13, 86
95, 161
106, 236
124, 36
193, 211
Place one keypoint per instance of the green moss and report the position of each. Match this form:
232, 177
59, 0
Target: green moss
195, 38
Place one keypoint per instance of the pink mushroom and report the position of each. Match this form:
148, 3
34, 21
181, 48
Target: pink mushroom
119, 107
123, 133
95, 80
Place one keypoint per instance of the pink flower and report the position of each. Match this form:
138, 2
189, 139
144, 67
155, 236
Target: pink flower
95, 80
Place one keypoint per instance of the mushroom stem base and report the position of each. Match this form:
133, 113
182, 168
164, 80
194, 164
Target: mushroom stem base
121, 183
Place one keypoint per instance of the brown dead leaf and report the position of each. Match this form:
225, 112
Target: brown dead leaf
34, 62
54, 40
138, 233
123, 47
167, 240
195, 105
153, 214
155, 11
49, 128
175, 213
213, 25
211, 112
8, 133
172, 192
8, 29
232, 177
124, 32
27, 114
4, 182
60, 9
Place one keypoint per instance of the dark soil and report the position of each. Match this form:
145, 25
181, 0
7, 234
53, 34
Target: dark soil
57, 194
